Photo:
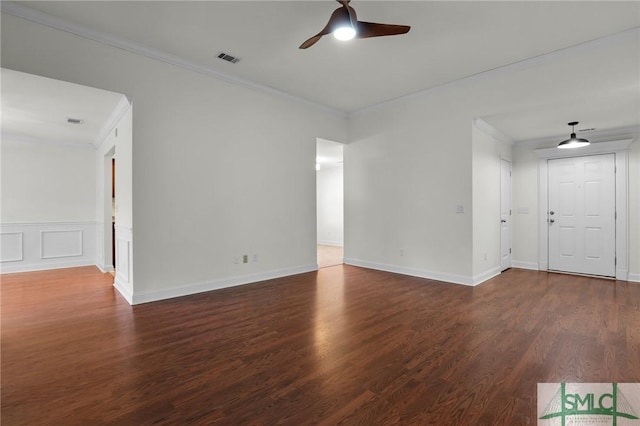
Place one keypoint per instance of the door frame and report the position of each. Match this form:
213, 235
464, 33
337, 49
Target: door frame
503, 161
620, 149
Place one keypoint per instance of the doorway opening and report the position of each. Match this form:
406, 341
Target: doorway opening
329, 203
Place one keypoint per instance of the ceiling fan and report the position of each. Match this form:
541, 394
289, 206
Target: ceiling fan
345, 25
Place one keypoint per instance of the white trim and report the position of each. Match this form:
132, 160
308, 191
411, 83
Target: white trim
77, 250
486, 275
123, 281
420, 273
612, 39
124, 290
596, 136
520, 264
634, 278
19, 258
330, 243
42, 18
112, 121
79, 235
492, 131
620, 149
608, 147
105, 268
205, 286
32, 267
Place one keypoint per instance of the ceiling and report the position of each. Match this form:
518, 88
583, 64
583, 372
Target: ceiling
36, 109
448, 41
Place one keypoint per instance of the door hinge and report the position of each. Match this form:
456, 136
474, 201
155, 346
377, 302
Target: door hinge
509, 251
509, 212
615, 261
615, 215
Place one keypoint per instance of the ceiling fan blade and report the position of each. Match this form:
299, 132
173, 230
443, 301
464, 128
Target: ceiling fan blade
310, 42
340, 15
371, 29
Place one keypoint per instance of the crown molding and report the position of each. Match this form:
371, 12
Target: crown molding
490, 130
112, 121
599, 136
611, 39
24, 12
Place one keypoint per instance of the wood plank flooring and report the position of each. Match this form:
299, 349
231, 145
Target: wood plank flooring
341, 346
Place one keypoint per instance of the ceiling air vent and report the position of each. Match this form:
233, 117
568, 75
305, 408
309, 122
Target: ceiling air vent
590, 129
228, 57
74, 120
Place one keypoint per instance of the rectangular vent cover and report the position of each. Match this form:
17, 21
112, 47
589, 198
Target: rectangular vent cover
74, 120
228, 57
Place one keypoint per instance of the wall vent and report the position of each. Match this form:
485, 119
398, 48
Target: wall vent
74, 120
228, 57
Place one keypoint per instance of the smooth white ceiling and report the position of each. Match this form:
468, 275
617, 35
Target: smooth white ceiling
449, 40
36, 109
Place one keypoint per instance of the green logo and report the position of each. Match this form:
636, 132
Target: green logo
582, 403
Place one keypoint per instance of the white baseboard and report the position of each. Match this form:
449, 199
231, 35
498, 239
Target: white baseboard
330, 243
202, 287
487, 275
525, 265
634, 278
124, 290
105, 268
437, 276
16, 268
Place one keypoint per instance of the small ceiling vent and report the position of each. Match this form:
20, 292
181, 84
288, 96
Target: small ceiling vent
228, 57
74, 120
590, 129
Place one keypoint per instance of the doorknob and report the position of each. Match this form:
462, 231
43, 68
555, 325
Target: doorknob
551, 220
503, 221
551, 212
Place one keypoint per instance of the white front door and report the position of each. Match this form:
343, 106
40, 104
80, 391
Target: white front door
505, 215
581, 215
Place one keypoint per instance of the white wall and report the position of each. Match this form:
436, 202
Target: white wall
330, 206
488, 151
634, 210
525, 208
46, 182
409, 167
47, 206
410, 164
209, 180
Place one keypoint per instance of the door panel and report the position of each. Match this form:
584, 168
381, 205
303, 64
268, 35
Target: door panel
582, 215
505, 215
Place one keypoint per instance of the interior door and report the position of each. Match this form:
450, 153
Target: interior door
505, 215
581, 216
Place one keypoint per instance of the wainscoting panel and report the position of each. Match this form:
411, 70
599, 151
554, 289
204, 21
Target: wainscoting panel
11, 247
55, 244
124, 261
46, 245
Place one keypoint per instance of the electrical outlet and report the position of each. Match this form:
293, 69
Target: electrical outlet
236, 260
245, 258
401, 252
255, 258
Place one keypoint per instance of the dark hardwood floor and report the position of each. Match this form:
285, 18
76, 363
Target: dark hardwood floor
341, 346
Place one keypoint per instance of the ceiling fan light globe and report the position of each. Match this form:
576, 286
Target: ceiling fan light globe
344, 33
573, 143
